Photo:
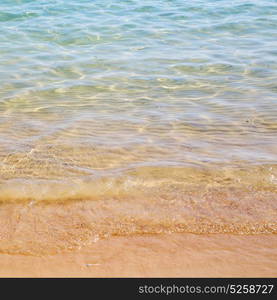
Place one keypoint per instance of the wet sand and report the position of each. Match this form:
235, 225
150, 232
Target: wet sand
118, 238
164, 255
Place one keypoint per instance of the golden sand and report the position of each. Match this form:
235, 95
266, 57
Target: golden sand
163, 255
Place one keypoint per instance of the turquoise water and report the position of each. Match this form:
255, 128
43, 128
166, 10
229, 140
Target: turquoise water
101, 88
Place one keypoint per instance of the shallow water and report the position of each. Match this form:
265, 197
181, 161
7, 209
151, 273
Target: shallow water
161, 112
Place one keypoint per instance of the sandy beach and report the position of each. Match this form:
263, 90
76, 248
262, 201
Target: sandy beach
138, 138
174, 255
140, 237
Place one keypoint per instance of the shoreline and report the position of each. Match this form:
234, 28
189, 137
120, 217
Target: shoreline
159, 255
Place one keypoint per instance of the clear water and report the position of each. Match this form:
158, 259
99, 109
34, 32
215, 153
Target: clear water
167, 106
